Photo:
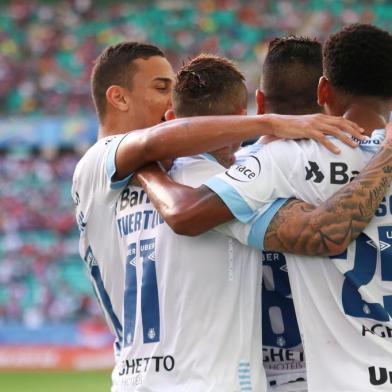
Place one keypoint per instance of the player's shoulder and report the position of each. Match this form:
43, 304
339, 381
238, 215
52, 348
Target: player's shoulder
96, 152
195, 162
194, 170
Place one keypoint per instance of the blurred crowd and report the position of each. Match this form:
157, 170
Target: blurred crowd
47, 48
42, 278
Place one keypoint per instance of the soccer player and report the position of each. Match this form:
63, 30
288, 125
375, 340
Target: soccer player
192, 314
131, 87
343, 302
291, 71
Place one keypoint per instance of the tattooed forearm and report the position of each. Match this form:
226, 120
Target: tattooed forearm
301, 228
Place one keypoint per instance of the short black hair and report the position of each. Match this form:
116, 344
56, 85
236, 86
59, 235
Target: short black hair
291, 71
209, 85
358, 60
112, 68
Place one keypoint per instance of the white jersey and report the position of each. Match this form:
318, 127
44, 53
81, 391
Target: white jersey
283, 354
192, 314
95, 197
343, 303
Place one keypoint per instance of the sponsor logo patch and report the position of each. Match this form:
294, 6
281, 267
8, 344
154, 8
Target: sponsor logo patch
314, 172
245, 172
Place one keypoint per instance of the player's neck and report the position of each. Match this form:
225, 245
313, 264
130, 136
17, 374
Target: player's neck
368, 114
116, 126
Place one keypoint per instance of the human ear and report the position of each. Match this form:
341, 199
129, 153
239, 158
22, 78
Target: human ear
118, 98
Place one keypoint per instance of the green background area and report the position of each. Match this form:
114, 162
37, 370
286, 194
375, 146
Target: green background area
37, 381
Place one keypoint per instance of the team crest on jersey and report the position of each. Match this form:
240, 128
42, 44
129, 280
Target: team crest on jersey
366, 309
128, 338
151, 333
281, 341
245, 172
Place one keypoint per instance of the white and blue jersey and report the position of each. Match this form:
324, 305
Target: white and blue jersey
343, 303
283, 354
95, 194
95, 197
192, 314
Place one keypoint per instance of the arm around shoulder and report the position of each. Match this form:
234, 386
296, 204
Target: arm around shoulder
188, 211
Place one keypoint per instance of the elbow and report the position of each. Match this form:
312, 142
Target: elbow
335, 249
183, 228
181, 223
327, 247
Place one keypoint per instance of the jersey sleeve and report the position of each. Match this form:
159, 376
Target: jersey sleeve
92, 182
193, 171
252, 233
111, 164
259, 184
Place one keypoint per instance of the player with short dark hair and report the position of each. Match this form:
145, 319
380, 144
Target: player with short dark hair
218, 80
289, 80
350, 65
116, 66
291, 71
201, 311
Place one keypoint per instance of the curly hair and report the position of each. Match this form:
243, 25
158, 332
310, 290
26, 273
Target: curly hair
113, 66
209, 85
358, 60
291, 71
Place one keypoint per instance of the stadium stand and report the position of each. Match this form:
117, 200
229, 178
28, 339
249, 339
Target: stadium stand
61, 39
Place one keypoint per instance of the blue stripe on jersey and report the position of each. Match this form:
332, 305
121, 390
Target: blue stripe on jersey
277, 294
111, 165
385, 237
209, 157
233, 200
101, 292
244, 377
260, 224
149, 293
130, 295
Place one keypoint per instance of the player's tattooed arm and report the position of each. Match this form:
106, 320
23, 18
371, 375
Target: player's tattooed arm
301, 228
189, 136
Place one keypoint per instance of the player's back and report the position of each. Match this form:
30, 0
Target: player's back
207, 307
343, 303
283, 354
